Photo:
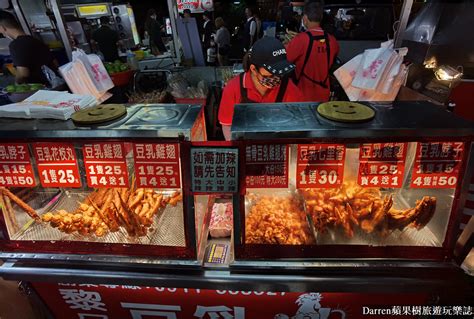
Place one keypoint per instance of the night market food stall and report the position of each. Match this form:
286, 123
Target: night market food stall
134, 216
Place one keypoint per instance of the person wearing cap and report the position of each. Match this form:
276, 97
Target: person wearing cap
265, 80
313, 52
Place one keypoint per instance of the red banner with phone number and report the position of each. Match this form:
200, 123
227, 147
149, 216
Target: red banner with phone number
134, 302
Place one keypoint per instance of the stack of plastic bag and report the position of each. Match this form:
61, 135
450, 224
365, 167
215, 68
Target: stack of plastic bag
48, 105
87, 75
375, 75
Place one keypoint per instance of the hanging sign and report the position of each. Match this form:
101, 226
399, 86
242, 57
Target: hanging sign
382, 164
320, 165
437, 164
157, 165
57, 164
266, 165
105, 165
214, 170
15, 166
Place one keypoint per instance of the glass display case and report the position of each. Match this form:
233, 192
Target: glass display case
389, 187
114, 188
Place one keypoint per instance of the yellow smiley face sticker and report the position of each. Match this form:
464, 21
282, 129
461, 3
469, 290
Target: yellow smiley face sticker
344, 111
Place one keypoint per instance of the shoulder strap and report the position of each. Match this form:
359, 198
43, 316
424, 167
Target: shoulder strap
322, 83
282, 90
328, 52
306, 58
243, 91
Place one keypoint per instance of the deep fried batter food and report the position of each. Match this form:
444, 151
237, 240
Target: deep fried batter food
352, 205
416, 217
277, 220
24, 206
106, 210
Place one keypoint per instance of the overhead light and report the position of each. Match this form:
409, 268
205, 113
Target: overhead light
431, 63
447, 73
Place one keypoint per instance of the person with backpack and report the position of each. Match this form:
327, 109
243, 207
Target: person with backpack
266, 80
313, 52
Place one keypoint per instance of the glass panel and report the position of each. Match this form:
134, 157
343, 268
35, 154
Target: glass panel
349, 214
148, 215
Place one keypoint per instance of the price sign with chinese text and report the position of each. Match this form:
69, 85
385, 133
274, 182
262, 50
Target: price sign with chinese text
15, 166
157, 165
382, 164
320, 165
105, 164
214, 170
266, 166
57, 164
437, 164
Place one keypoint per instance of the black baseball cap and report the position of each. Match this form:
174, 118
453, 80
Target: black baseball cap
269, 53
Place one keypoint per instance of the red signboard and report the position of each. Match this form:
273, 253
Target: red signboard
437, 164
320, 165
382, 164
89, 301
195, 6
15, 166
105, 164
157, 165
266, 166
57, 164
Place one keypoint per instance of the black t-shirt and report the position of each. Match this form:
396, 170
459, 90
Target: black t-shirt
29, 52
107, 40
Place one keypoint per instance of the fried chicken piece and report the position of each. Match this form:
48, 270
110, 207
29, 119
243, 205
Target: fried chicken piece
416, 217
381, 209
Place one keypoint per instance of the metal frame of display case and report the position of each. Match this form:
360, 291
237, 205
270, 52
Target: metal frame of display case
55, 131
362, 275
301, 124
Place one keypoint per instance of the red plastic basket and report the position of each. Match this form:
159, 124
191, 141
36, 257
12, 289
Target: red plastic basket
122, 78
190, 101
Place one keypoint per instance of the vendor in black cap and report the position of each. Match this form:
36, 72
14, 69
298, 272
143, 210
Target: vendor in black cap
265, 80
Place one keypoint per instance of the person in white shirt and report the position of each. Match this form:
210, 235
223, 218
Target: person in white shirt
250, 29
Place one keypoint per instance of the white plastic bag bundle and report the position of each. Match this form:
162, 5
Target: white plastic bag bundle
87, 75
375, 75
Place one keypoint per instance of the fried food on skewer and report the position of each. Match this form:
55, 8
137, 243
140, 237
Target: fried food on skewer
106, 210
24, 206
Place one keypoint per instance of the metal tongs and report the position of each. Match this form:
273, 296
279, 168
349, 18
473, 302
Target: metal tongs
308, 216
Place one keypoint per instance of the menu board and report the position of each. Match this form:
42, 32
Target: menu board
105, 165
57, 164
382, 164
266, 166
437, 164
15, 165
214, 170
320, 165
157, 165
